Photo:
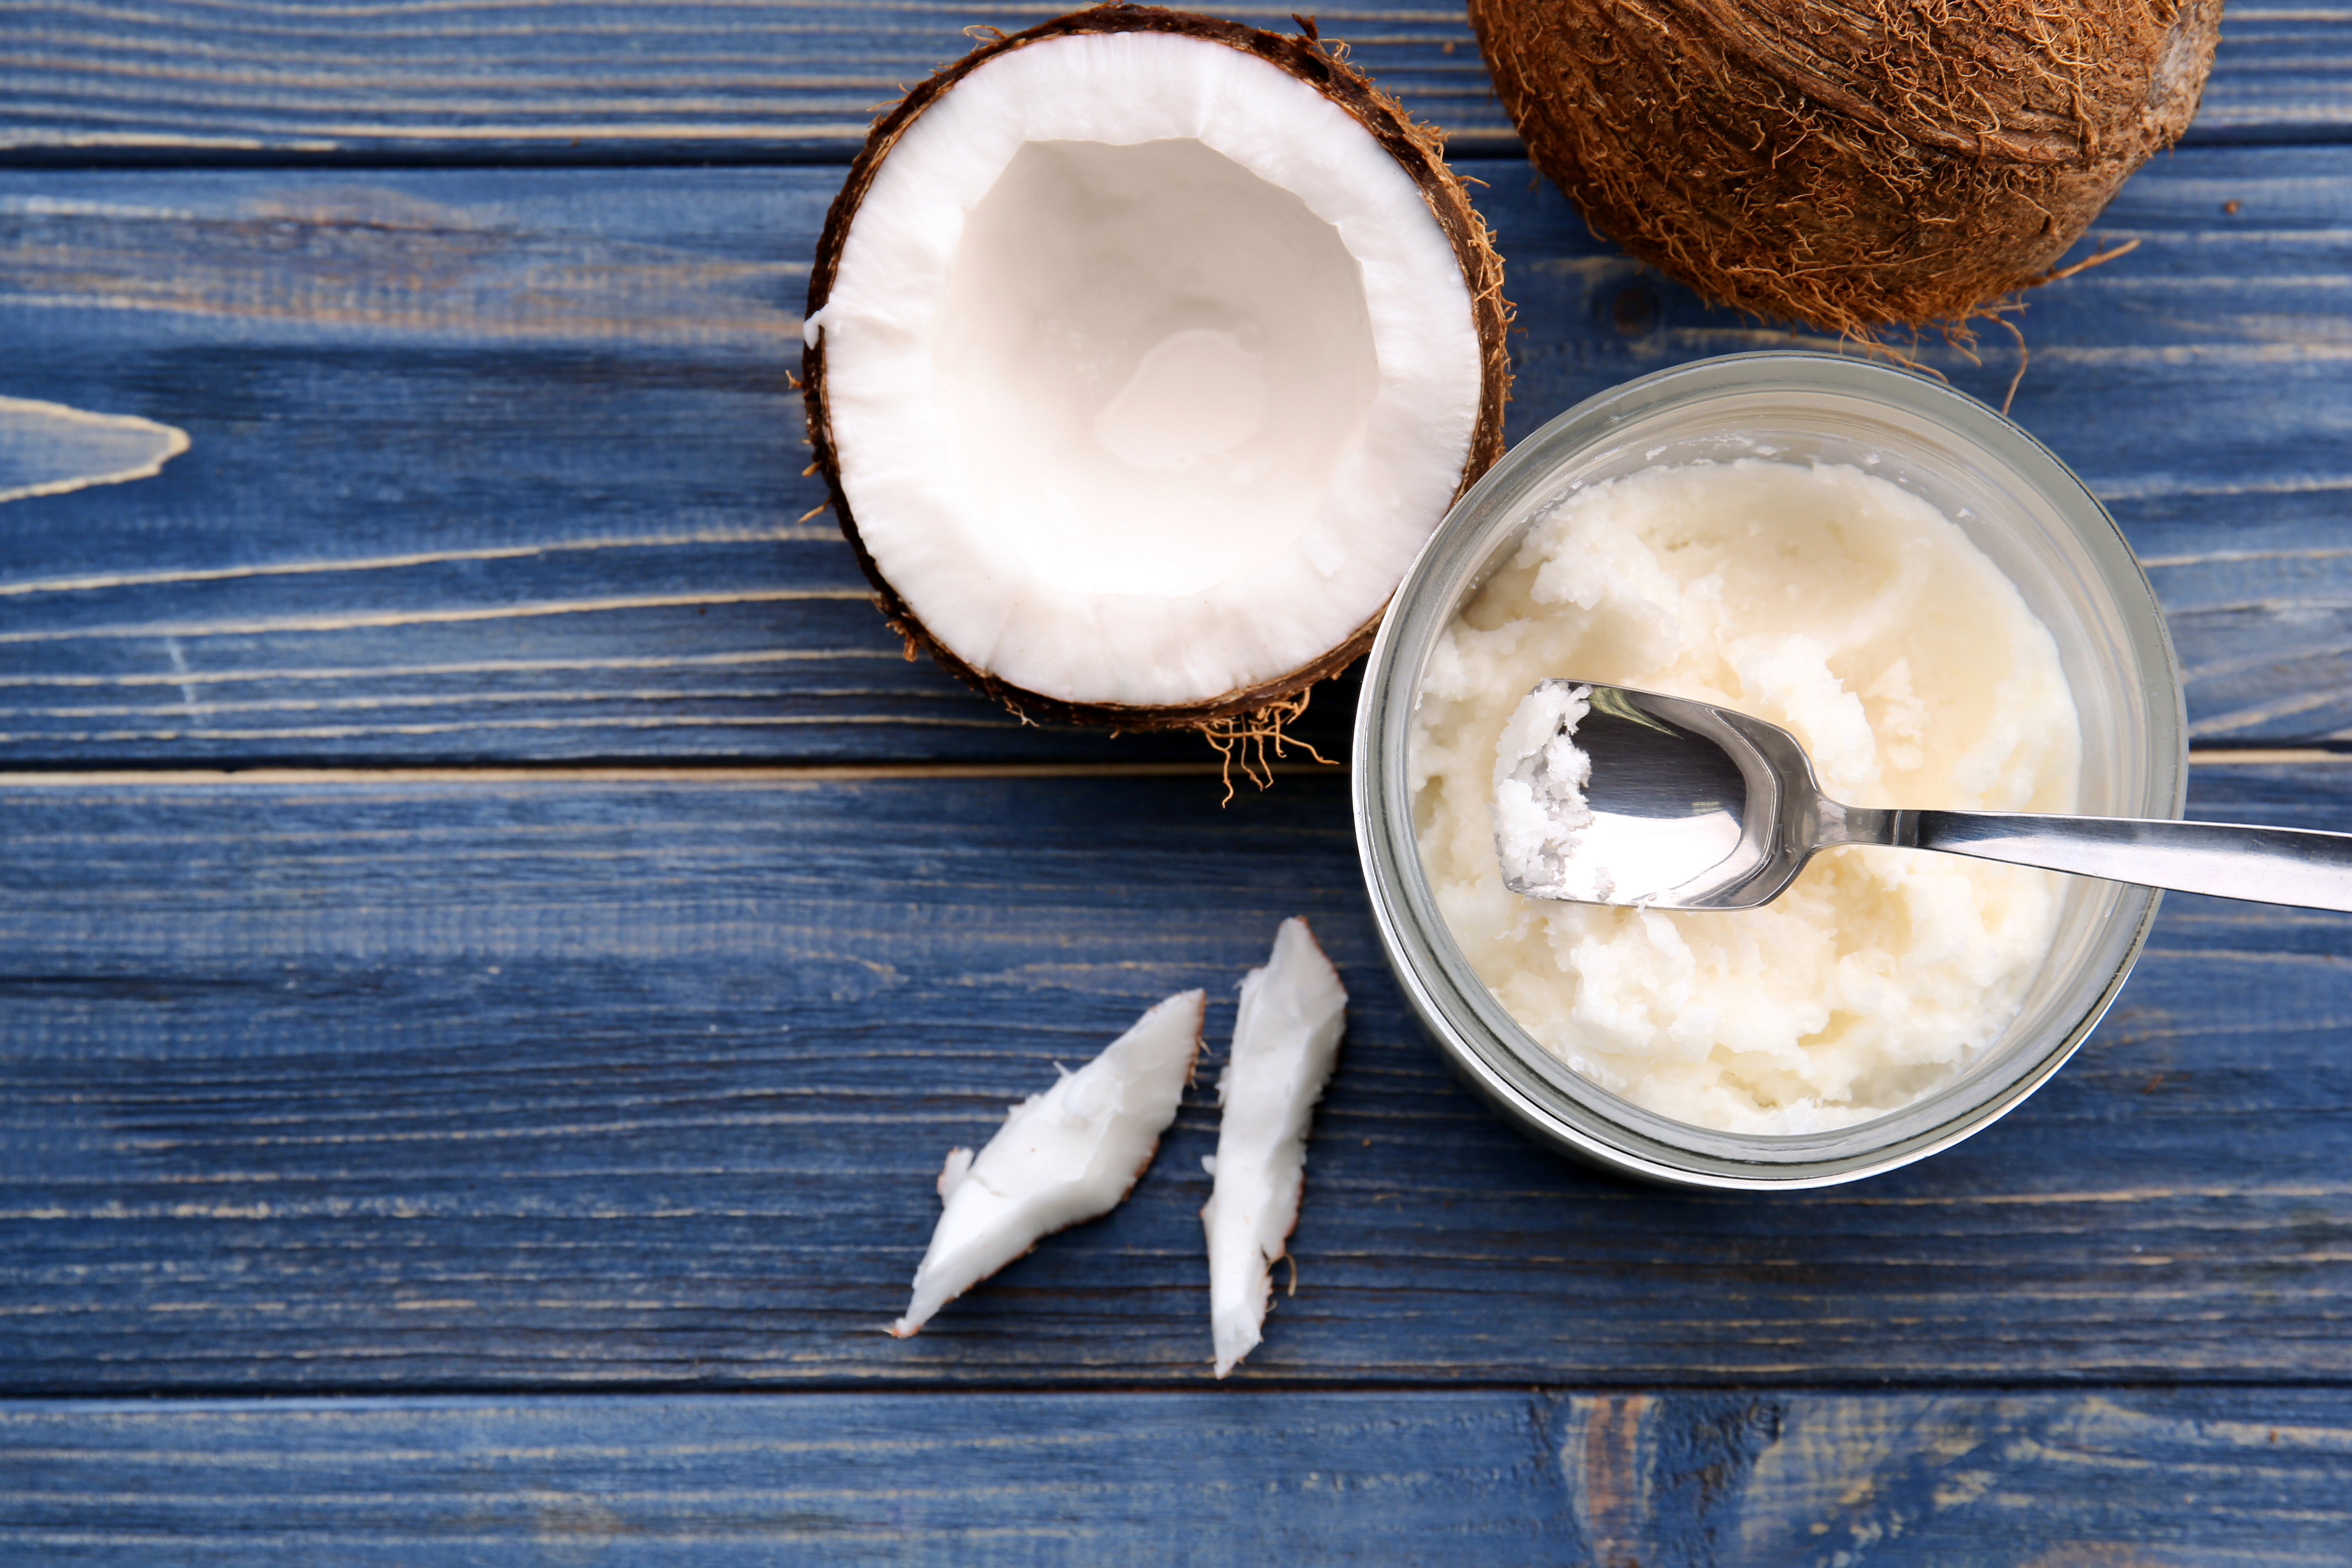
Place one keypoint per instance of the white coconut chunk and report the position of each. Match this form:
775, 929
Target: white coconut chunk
1063, 1156
1538, 806
1285, 1040
1148, 370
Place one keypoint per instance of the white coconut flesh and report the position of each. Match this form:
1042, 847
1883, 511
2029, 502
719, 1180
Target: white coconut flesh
1286, 1042
1148, 370
1061, 1157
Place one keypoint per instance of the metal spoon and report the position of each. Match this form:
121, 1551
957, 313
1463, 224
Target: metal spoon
1697, 807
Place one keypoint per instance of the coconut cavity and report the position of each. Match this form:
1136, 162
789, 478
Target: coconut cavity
1154, 363
1145, 352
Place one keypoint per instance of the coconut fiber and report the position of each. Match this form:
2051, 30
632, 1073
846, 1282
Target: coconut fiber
1852, 165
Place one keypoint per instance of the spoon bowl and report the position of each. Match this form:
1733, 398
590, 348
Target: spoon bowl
1670, 804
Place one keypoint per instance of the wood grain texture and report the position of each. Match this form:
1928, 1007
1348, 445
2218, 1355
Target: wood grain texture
493, 466
529, 1082
341, 1088
2137, 1478
525, 79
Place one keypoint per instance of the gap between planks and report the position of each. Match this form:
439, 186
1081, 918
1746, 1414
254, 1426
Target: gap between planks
373, 1397
601, 774
633, 149
620, 774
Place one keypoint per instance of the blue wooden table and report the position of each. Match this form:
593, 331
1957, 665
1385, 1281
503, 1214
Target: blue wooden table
495, 941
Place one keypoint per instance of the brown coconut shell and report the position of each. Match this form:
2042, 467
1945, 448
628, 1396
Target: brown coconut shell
1253, 713
1851, 164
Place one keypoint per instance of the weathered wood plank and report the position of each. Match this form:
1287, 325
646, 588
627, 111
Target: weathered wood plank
377, 1086
495, 466
2278, 76
84, 80
2223, 1477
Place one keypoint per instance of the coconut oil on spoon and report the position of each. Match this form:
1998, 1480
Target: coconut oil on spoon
1627, 797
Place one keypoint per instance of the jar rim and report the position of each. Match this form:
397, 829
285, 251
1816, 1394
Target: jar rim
1487, 1046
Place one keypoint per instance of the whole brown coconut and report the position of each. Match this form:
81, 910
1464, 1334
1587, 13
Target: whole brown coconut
1253, 712
1851, 164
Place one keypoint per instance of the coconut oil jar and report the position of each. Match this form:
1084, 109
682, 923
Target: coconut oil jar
1827, 542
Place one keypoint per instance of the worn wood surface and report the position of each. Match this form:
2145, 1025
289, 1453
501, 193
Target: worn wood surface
540, 81
331, 1085
2059, 1480
494, 465
501, 1131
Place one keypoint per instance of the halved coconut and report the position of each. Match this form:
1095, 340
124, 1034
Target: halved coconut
1144, 351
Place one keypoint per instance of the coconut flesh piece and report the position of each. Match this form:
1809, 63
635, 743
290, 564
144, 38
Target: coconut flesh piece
1285, 1040
1538, 805
1143, 371
1062, 1157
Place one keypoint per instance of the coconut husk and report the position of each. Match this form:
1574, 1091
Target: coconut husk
1254, 714
1853, 165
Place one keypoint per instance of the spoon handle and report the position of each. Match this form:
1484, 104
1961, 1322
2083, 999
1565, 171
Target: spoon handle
2266, 864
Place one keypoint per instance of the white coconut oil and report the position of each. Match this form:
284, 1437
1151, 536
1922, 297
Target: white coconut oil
1848, 610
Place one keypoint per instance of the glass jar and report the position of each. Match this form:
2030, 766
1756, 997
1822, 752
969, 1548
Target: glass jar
2017, 503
